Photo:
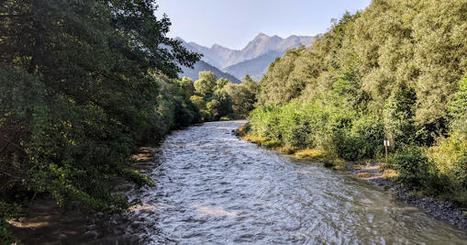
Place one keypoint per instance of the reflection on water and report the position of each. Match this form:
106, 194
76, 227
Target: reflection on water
211, 187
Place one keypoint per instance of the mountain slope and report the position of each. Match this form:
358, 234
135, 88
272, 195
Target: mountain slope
253, 59
256, 67
262, 44
203, 66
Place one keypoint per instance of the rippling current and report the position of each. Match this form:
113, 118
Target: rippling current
214, 188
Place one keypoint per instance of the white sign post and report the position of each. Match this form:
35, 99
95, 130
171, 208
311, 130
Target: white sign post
386, 144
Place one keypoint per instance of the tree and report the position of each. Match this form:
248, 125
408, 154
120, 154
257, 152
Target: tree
391, 69
83, 84
221, 83
188, 85
206, 84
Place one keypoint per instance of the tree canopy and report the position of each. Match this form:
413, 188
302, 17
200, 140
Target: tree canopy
83, 84
390, 72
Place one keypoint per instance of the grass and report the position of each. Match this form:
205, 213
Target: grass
364, 175
390, 174
312, 154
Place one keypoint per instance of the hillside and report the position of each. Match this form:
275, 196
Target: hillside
203, 66
263, 44
256, 67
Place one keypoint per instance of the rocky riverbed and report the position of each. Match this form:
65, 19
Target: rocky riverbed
447, 211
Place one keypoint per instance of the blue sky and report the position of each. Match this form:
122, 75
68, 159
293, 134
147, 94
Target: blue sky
232, 23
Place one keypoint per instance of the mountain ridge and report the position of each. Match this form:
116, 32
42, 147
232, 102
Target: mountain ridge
255, 67
204, 66
263, 49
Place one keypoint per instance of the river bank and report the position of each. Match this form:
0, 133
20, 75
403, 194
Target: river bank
447, 211
41, 221
374, 173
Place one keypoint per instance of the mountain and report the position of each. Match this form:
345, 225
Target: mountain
256, 67
254, 58
203, 66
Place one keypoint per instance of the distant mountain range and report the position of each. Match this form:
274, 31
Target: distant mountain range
255, 67
253, 59
203, 66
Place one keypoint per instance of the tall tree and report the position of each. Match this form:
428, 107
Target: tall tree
83, 83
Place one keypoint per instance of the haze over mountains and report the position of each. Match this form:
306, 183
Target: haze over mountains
203, 66
253, 59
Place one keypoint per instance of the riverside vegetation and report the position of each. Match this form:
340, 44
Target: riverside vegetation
83, 85
394, 71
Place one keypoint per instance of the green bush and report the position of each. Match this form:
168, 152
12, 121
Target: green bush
412, 166
7, 211
272, 127
369, 130
347, 147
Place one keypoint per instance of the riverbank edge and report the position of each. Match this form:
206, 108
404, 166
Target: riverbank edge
42, 221
370, 172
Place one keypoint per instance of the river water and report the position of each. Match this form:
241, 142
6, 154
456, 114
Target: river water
213, 188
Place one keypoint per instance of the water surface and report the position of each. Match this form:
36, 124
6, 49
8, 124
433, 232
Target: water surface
213, 188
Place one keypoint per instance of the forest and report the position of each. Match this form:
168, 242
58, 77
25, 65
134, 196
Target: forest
395, 71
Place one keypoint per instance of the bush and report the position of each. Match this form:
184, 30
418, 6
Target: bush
7, 211
347, 147
412, 166
369, 130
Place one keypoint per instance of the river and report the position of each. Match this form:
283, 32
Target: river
214, 188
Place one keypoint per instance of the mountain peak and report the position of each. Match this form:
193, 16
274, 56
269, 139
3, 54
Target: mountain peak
262, 35
180, 39
252, 59
217, 46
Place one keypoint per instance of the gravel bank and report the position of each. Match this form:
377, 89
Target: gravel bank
448, 211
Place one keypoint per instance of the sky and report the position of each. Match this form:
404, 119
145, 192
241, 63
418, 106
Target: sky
233, 23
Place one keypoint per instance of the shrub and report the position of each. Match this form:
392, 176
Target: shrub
369, 130
7, 211
347, 147
272, 127
412, 166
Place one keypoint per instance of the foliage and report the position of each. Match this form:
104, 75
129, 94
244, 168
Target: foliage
412, 166
222, 98
388, 72
450, 153
457, 107
399, 116
363, 141
7, 211
306, 125
369, 57
84, 83
206, 84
